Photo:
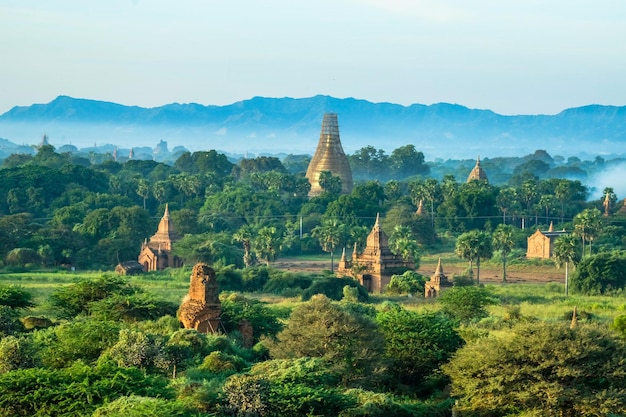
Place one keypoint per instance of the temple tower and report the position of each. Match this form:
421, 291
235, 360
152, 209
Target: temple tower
477, 173
329, 156
156, 253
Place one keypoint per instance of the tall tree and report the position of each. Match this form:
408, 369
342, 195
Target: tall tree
588, 225
267, 244
330, 234
564, 253
502, 240
474, 245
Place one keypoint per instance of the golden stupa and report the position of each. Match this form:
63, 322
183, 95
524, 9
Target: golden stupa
329, 156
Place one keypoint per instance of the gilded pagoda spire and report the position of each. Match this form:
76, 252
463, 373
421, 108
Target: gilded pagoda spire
329, 156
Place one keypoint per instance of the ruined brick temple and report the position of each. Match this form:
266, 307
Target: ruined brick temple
329, 156
201, 308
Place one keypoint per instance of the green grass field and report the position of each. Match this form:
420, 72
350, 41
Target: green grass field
532, 301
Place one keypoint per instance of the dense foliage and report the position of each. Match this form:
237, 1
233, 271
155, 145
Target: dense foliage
108, 346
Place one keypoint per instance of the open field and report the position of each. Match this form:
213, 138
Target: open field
536, 289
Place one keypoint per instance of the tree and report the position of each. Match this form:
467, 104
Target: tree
244, 236
402, 243
417, 343
427, 189
587, 225
465, 304
405, 161
603, 273
143, 190
320, 328
267, 244
564, 253
608, 200
502, 240
542, 369
474, 245
330, 234
330, 183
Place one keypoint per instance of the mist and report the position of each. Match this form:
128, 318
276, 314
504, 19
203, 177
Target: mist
613, 176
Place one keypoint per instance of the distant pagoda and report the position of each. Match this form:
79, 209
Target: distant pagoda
329, 156
477, 173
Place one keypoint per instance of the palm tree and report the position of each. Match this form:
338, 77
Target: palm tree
401, 242
330, 233
476, 245
587, 225
244, 235
502, 240
565, 252
267, 243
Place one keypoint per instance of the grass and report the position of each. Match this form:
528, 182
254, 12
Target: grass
538, 301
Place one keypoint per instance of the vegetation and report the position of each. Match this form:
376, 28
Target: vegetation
81, 343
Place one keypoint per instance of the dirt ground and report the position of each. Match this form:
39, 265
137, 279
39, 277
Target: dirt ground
488, 274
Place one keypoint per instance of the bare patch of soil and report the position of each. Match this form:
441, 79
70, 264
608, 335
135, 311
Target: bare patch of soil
488, 274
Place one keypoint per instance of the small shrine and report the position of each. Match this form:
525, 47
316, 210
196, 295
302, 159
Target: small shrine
438, 283
201, 308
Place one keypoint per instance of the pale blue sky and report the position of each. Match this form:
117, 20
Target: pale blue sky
514, 57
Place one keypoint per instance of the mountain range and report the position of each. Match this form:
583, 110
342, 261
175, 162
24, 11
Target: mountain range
290, 125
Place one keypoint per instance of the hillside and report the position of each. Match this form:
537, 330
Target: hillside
275, 125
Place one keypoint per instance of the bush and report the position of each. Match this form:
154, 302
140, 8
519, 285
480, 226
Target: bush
333, 288
74, 391
236, 308
137, 406
466, 304
255, 278
287, 283
15, 297
604, 273
408, 283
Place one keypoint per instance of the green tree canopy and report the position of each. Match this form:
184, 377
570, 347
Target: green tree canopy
324, 329
543, 369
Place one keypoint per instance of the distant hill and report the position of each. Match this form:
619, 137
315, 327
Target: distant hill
288, 125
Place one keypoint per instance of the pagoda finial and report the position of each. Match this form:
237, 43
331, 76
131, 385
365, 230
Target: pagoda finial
354, 250
377, 223
343, 255
166, 215
551, 229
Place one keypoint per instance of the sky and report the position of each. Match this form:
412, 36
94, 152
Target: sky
512, 57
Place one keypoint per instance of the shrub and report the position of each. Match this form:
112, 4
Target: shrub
333, 288
603, 273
